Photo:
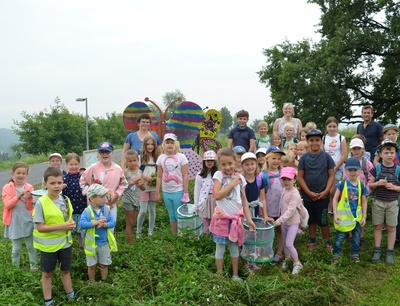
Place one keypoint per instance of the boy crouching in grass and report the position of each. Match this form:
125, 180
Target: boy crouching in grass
96, 222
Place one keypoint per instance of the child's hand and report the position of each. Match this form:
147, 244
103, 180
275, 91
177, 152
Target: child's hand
313, 196
266, 219
322, 195
28, 194
252, 226
363, 221
64, 186
277, 222
235, 181
69, 226
381, 182
390, 186
336, 219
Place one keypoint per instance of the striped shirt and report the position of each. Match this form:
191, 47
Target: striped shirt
381, 193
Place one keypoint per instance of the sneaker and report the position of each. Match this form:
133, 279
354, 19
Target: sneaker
335, 257
150, 234
376, 255
297, 267
285, 264
355, 257
311, 246
236, 278
138, 235
254, 267
329, 247
363, 243
277, 259
389, 258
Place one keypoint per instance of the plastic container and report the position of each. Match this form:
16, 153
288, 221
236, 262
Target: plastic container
188, 222
257, 246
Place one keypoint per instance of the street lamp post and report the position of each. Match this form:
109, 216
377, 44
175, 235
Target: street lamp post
87, 121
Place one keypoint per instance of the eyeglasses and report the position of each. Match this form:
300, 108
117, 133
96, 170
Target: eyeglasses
104, 152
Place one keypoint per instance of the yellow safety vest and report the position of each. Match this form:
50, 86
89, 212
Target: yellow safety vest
90, 236
51, 242
347, 220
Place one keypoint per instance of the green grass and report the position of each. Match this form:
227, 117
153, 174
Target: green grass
173, 270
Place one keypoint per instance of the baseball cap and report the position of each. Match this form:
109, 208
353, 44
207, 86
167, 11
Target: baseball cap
356, 143
274, 149
170, 136
239, 149
390, 126
55, 155
96, 189
105, 146
210, 155
288, 172
387, 143
262, 150
247, 156
352, 163
314, 132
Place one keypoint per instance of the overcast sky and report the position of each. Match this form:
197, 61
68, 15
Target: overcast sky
118, 52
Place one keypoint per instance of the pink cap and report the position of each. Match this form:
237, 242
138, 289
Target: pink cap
288, 172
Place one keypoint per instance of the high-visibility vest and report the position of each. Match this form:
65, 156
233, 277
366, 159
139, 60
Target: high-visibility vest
90, 235
53, 241
347, 220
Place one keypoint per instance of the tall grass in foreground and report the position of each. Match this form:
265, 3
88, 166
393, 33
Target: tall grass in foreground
173, 270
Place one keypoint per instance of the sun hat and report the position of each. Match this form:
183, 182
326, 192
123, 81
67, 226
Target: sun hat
390, 126
387, 143
247, 156
288, 172
210, 155
314, 132
239, 149
105, 146
170, 136
352, 163
96, 189
356, 143
55, 155
262, 150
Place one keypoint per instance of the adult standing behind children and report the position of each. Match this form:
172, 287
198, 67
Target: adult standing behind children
134, 140
288, 112
242, 135
316, 176
371, 129
106, 173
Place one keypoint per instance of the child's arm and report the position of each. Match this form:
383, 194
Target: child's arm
220, 193
66, 226
291, 209
85, 222
364, 204
252, 143
110, 222
300, 178
334, 205
373, 185
158, 183
343, 152
230, 143
196, 193
376, 159
246, 210
264, 203
331, 179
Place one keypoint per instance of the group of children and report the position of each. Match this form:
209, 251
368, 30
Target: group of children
267, 177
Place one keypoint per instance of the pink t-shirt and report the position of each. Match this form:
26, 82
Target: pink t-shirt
172, 179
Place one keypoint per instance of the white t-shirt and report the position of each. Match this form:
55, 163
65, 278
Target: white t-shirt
232, 203
172, 180
332, 145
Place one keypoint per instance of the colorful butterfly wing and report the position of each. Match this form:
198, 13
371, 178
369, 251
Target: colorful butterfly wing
212, 122
185, 123
133, 111
195, 162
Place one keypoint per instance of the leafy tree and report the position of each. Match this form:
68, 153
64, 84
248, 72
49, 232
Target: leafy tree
171, 96
112, 128
357, 62
227, 121
56, 130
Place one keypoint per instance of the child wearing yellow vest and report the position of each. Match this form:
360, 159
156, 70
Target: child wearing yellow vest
52, 234
95, 223
349, 209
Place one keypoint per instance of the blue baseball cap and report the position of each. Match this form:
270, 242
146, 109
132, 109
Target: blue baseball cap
239, 149
274, 149
314, 132
105, 146
352, 163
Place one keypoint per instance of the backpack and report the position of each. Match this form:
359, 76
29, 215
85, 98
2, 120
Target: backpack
259, 182
304, 216
379, 169
267, 178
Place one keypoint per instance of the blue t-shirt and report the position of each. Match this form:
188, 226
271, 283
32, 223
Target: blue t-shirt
372, 132
352, 193
136, 144
316, 168
241, 137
